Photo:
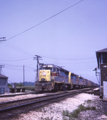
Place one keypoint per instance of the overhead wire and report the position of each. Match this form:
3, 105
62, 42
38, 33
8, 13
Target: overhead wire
45, 20
18, 66
18, 49
48, 58
78, 62
19, 69
68, 59
52, 58
40, 24
18, 59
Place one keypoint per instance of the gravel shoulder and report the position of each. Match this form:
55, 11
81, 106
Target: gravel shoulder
64, 109
6, 99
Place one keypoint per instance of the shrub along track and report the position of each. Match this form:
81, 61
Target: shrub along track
12, 108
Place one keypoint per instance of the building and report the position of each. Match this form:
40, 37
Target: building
102, 67
102, 64
3, 84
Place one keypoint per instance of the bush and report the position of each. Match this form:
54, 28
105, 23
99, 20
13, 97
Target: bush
88, 101
75, 113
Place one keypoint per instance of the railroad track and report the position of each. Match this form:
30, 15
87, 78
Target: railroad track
7, 107
18, 94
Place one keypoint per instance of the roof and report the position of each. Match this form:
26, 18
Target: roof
98, 55
101, 51
73, 74
52, 65
3, 76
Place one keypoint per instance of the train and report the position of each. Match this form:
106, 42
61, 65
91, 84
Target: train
54, 78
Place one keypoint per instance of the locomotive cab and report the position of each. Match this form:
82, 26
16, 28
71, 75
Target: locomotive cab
46, 79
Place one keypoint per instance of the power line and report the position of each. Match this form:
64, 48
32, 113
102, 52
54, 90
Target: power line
18, 49
18, 66
38, 25
17, 59
19, 69
51, 58
68, 59
45, 20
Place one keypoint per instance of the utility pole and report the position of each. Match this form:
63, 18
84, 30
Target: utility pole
37, 57
23, 74
1, 66
2, 39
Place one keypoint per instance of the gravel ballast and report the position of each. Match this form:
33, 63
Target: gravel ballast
6, 99
56, 111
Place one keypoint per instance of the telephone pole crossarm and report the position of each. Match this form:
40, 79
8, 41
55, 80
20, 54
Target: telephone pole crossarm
2, 38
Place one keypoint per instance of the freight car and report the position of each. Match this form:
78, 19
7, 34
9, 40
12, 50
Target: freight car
81, 82
53, 78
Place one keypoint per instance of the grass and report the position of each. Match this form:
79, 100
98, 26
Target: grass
46, 118
30, 88
76, 112
88, 101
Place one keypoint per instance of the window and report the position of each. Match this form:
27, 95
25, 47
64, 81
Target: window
2, 82
104, 58
105, 76
47, 68
54, 70
73, 77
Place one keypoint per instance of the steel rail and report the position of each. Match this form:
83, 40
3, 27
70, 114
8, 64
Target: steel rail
44, 99
3, 103
12, 95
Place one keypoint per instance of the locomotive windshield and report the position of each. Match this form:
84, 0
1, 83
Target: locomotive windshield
47, 68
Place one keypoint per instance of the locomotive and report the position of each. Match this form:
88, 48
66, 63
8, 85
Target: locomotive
53, 77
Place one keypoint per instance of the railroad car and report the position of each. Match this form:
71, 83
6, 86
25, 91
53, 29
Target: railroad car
54, 78
84, 82
74, 80
89, 83
81, 82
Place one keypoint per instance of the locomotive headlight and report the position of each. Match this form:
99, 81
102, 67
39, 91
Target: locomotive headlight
44, 73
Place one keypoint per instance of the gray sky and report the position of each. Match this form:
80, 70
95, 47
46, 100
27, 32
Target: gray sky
69, 39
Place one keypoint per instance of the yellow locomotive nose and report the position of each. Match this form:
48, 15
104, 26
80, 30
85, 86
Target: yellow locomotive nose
44, 75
